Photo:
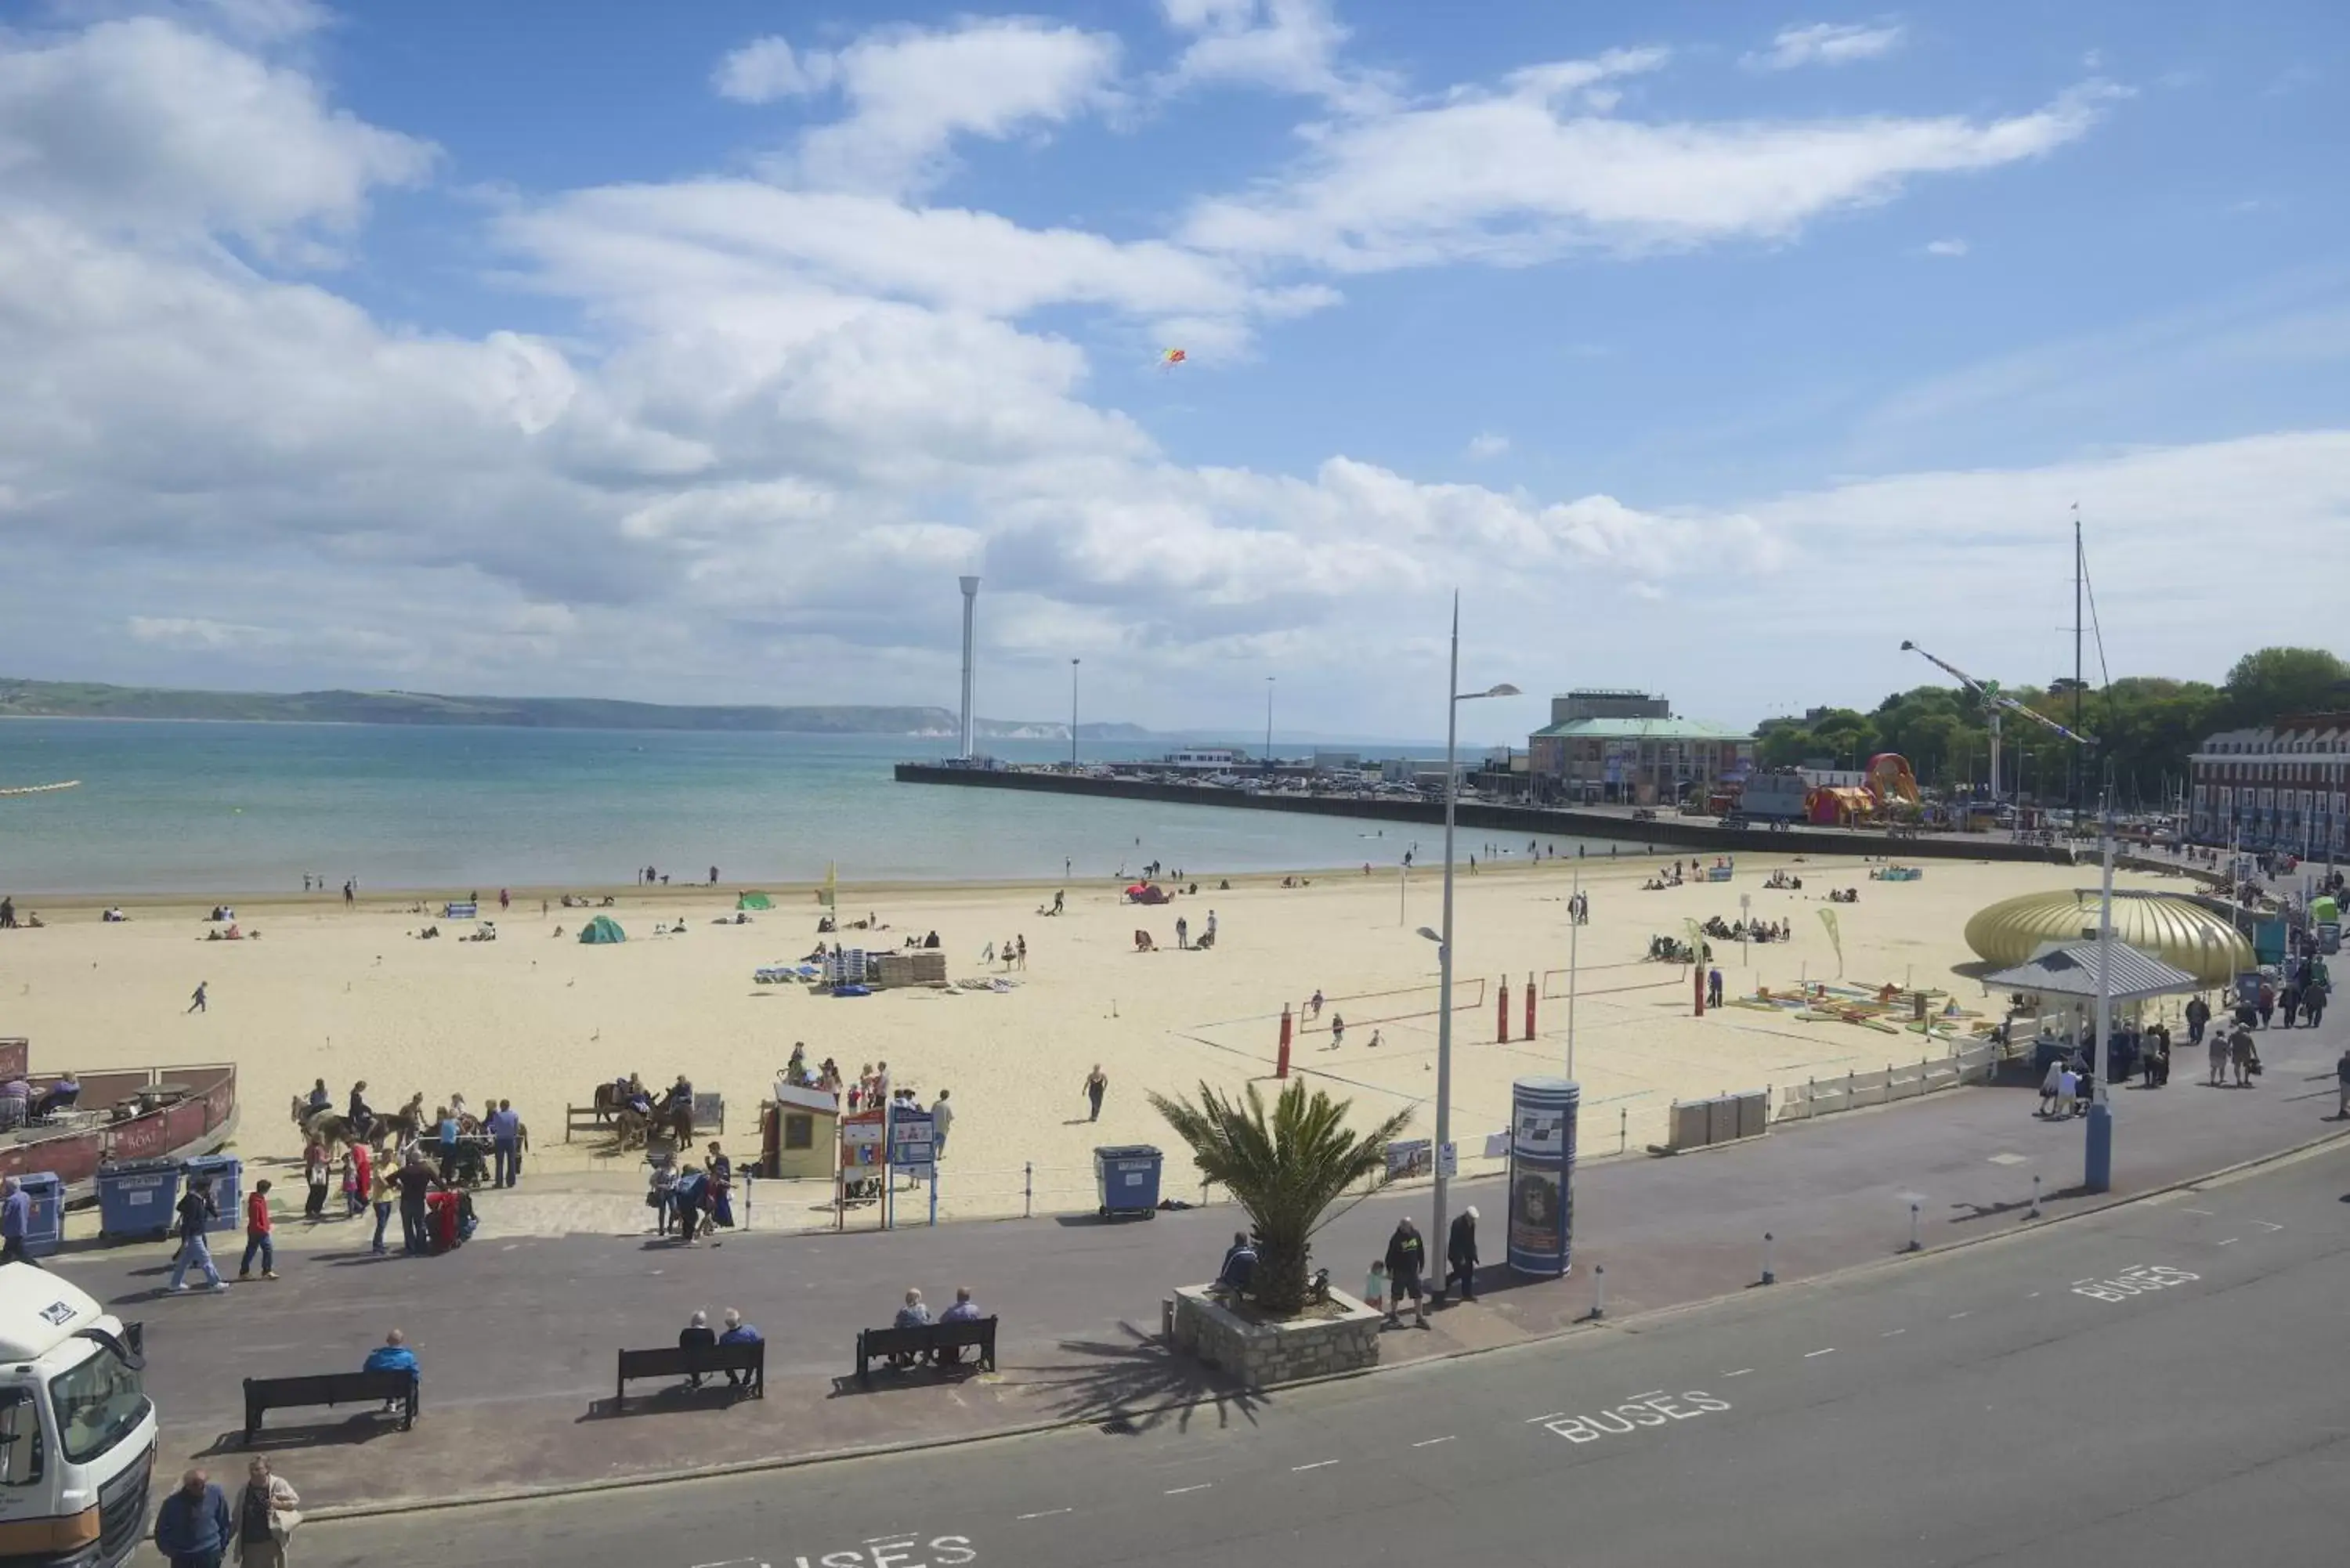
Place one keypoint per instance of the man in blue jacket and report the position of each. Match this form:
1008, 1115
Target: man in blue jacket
193, 1527
393, 1355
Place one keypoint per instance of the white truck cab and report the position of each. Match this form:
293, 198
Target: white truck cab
77, 1429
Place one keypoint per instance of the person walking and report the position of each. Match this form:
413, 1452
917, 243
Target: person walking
2198, 1018
941, 1123
1182, 932
2050, 1087
2268, 1002
196, 1211
265, 1511
1713, 987
1460, 1253
1406, 1259
2342, 1087
381, 1193
316, 1171
2313, 998
415, 1180
196, 1004
258, 1238
16, 1219
1097, 1085
2219, 1049
2241, 1054
193, 1528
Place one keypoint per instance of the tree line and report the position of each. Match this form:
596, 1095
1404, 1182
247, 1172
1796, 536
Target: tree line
2147, 726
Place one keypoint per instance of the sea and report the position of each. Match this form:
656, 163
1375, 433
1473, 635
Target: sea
211, 809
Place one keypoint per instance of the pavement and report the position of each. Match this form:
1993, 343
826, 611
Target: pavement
517, 1336
2154, 1384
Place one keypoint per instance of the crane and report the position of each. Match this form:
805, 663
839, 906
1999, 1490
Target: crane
1995, 703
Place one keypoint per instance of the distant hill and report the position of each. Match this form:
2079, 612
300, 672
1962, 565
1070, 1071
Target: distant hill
81, 699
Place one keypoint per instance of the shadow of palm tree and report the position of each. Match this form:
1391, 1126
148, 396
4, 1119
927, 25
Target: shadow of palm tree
1135, 1385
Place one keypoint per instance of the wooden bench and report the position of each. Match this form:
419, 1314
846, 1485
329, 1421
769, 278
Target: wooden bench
678, 1361
876, 1344
265, 1394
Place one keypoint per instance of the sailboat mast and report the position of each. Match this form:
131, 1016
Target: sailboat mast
2078, 567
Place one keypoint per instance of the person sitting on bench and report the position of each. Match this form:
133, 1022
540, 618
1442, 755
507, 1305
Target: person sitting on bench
1240, 1265
913, 1315
58, 1096
393, 1355
696, 1335
964, 1310
738, 1333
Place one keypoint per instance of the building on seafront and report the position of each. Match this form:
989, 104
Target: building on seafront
1609, 746
2280, 786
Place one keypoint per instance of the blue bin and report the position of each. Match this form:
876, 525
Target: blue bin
226, 1173
1127, 1176
135, 1198
46, 1230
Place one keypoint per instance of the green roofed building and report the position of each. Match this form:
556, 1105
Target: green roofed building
1629, 748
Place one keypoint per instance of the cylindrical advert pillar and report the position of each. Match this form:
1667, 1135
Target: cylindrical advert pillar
1543, 1112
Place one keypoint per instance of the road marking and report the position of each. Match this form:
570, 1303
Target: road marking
2229, 1243
1889, 1333
1956, 1316
2138, 1280
1046, 1514
2205, 1212
1655, 1408
1810, 1355
1538, 1420
2266, 1226
1430, 1442
1179, 1490
1740, 1373
2032, 1297
1317, 1464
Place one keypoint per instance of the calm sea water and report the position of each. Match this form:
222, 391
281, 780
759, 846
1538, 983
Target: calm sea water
220, 808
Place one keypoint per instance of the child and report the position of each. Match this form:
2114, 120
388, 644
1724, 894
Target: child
1375, 1288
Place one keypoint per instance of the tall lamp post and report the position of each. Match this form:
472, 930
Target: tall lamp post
1443, 940
1268, 723
1073, 715
2098, 1162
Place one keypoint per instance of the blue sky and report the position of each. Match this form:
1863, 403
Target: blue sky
688, 352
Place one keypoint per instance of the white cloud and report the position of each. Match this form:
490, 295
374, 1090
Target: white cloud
1825, 44
1515, 178
911, 93
766, 70
1486, 444
1951, 248
143, 125
1285, 46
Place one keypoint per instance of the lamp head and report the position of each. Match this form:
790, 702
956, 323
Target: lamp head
1432, 935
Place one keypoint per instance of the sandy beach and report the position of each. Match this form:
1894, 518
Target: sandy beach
323, 991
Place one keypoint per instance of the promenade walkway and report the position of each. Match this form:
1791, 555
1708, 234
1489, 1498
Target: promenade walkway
517, 1336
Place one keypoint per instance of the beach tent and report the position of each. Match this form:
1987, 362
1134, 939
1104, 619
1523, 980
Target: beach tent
602, 928
753, 901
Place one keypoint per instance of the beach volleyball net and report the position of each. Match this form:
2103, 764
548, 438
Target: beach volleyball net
1608, 979
1399, 1005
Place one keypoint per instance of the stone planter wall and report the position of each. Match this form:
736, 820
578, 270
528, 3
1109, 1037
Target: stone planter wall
1260, 1354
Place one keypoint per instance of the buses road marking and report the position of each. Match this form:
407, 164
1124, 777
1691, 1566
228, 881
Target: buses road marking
1655, 1408
2138, 1280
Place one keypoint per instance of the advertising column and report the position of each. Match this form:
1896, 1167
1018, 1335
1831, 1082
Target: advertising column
1542, 1114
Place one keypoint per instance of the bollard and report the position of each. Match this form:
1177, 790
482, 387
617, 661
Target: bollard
1598, 1291
1914, 1246
1501, 1023
2034, 1214
1623, 1128
1769, 1278
746, 1200
1530, 1005
1028, 1190
1281, 1067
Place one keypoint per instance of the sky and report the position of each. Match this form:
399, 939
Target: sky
689, 353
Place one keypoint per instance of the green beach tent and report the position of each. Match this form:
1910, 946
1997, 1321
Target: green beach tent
602, 928
753, 901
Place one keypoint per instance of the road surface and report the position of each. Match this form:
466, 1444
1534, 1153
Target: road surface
2167, 1382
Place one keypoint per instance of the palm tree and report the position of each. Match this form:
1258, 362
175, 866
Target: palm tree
1286, 1172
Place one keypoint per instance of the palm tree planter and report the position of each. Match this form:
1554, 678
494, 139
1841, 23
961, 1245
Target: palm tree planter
1284, 1170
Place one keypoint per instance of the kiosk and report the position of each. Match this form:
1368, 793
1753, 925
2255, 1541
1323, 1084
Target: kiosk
1542, 1114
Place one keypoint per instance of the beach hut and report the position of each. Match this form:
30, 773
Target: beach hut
753, 901
602, 928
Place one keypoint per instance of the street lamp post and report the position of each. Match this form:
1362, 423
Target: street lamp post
1443, 940
1073, 715
1268, 723
2098, 1167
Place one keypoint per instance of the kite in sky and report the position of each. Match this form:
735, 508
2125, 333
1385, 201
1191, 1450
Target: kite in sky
1171, 357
